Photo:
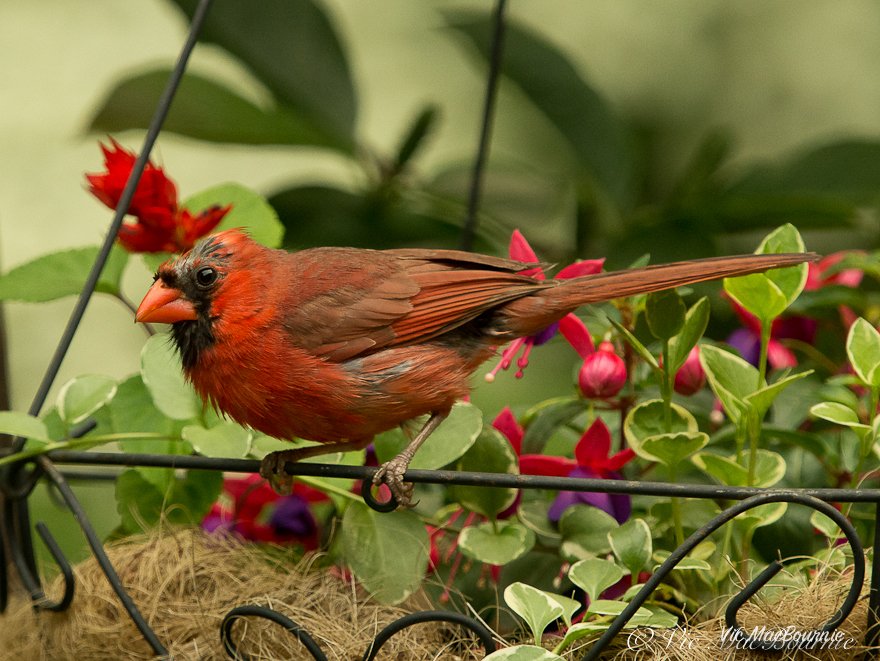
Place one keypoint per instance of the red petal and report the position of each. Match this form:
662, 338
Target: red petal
780, 357
619, 460
506, 423
520, 249
541, 464
585, 267
575, 331
592, 450
137, 238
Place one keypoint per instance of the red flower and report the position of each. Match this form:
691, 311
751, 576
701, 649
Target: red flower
571, 327
603, 373
591, 460
690, 377
160, 225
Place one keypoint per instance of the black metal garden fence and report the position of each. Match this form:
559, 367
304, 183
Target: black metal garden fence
17, 482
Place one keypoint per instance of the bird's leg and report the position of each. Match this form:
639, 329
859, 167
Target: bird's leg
272, 466
391, 472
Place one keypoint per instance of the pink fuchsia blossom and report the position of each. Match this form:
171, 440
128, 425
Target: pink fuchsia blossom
603, 373
159, 224
571, 327
690, 377
592, 460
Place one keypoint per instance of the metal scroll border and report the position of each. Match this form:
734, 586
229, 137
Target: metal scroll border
17, 482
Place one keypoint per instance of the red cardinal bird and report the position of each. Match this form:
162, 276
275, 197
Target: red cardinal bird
338, 344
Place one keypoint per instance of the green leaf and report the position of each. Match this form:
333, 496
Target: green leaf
731, 378
232, 118
584, 531
533, 515
250, 211
597, 137
671, 449
634, 342
185, 501
293, 49
163, 375
132, 410
82, 396
18, 423
837, 413
685, 563
791, 280
415, 136
261, 445
496, 544
769, 469
863, 351
387, 552
491, 453
523, 653
534, 606
767, 295
614, 608
582, 630
695, 322
648, 420
227, 439
60, 274
452, 439
569, 606
632, 545
543, 420
826, 525
594, 576
664, 313
757, 294
763, 398
761, 516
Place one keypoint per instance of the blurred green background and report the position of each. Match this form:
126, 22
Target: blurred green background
704, 124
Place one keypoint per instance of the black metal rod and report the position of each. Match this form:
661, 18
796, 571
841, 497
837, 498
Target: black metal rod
872, 637
469, 231
65, 569
724, 517
461, 477
101, 556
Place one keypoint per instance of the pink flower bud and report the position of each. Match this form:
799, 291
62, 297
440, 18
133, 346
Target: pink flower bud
602, 374
690, 377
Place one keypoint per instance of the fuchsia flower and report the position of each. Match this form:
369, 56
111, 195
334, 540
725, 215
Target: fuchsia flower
252, 510
591, 460
160, 225
690, 377
603, 373
571, 327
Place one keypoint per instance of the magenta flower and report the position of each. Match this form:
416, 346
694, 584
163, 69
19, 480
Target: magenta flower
571, 327
603, 373
690, 377
591, 460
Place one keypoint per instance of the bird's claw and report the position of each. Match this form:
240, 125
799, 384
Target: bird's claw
391, 475
272, 470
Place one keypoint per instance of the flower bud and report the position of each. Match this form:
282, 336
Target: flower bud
690, 377
602, 374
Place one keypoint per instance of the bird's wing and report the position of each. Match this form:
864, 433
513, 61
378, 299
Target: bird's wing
353, 302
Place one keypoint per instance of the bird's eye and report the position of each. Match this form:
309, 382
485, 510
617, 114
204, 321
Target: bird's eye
206, 276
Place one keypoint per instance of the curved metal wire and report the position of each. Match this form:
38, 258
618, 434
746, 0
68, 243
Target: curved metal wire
749, 590
302, 635
475, 626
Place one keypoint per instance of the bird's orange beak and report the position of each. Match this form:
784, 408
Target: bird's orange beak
164, 305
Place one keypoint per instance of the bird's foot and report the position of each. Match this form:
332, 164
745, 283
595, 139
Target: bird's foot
391, 474
272, 470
